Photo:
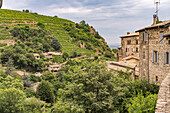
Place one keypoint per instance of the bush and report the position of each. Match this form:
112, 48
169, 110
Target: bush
45, 92
35, 79
29, 92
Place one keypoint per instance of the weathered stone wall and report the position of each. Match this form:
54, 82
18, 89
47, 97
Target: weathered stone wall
163, 102
156, 70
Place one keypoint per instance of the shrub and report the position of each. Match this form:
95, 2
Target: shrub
45, 92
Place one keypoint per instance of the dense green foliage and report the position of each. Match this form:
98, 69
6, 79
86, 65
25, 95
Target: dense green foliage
45, 92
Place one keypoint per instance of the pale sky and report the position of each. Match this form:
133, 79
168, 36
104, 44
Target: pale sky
111, 18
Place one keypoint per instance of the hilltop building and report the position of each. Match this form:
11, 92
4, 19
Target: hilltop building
154, 60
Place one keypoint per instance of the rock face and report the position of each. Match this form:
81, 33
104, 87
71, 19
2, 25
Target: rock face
163, 103
0, 3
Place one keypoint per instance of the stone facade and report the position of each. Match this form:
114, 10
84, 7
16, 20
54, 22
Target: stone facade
163, 102
129, 46
154, 54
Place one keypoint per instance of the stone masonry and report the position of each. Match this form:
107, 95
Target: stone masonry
163, 102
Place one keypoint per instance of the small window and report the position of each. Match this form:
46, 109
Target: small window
126, 49
155, 57
166, 58
137, 42
169, 42
128, 42
143, 53
156, 78
144, 36
161, 37
137, 50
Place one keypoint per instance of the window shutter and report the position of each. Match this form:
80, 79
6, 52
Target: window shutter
153, 56
157, 57
164, 58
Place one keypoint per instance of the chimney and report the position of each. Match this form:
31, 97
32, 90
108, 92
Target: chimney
128, 33
154, 19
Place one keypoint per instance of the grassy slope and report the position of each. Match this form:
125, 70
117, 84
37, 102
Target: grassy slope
12, 18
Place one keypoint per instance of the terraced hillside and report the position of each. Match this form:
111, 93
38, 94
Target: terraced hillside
9, 19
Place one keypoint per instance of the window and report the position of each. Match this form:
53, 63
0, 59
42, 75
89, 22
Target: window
161, 37
155, 57
168, 41
126, 49
136, 41
156, 78
128, 42
137, 50
144, 36
143, 53
166, 58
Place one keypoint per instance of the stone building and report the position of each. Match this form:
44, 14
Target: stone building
154, 54
129, 46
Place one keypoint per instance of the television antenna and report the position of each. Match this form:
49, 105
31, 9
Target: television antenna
157, 3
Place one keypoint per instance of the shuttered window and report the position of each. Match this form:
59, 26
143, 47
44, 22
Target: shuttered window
144, 36
166, 58
161, 37
155, 57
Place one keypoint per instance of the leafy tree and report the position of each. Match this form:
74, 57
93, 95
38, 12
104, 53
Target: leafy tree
65, 55
141, 104
45, 92
26, 81
10, 66
29, 92
55, 44
11, 101
33, 105
95, 90
10, 82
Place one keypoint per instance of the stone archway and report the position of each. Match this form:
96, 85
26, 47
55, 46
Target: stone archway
163, 102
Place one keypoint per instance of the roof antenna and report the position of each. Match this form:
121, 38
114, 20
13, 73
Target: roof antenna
157, 3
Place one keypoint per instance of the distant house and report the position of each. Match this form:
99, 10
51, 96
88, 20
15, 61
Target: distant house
50, 54
54, 68
129, 46
37, 56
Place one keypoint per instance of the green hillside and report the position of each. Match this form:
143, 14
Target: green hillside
70, 35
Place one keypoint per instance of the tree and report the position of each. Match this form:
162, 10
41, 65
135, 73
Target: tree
10, 66
11, 101
26, 81
33, 105
94, 90
45, 92
141, 104
10, 82
55, 44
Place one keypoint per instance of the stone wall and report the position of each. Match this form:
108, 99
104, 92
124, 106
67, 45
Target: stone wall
163, 102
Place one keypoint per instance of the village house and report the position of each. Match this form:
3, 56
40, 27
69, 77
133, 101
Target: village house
37, 56
154, 54
54, 68
49, 55
129, 46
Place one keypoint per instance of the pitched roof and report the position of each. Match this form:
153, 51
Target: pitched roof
130, 35
163, 24
123, 64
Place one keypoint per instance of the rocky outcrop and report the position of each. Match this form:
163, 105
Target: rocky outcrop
163, 102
